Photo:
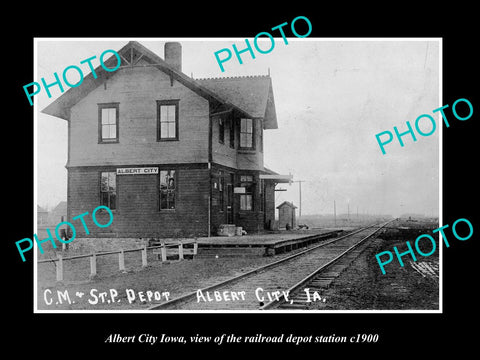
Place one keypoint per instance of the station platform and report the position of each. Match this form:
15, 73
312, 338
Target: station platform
265, 244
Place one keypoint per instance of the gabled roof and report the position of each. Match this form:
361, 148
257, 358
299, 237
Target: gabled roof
286, 203
253, 94
247, 95
41, 209
61, 207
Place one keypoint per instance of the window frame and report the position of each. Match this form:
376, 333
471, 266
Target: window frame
175, 191
111, 105
161, 103
221, 130
251, 194
108, 192
252, 145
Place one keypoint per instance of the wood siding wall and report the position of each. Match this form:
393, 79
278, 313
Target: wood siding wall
137, 90
137, 213
223, 154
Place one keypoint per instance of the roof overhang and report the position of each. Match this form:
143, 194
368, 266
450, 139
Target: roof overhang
277, 178
252, 94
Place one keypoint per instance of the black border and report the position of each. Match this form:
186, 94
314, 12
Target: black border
408, 334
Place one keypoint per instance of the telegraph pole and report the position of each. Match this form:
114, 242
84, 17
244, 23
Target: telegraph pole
300, 198
334, 213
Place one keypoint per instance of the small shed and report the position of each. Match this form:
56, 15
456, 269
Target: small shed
286, 215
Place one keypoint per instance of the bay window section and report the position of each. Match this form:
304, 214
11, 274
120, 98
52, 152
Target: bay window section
246, 133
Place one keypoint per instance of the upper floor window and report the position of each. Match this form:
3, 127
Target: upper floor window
108, 122
246, 133
221, 130
167, 120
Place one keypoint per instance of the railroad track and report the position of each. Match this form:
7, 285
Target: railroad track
281, 284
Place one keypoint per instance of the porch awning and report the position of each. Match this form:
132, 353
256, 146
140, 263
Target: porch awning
277, 178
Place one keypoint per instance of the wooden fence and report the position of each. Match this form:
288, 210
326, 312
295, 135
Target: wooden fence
162, 251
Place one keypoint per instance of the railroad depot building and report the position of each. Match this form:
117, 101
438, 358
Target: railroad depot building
171, 156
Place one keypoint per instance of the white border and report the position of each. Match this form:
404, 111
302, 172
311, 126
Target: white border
309, 312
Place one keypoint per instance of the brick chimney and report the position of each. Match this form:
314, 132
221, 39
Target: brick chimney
173, 55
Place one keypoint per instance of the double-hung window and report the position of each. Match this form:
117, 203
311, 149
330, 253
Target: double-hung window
246, 133
167, 120
108, 190
221, 130
246, 199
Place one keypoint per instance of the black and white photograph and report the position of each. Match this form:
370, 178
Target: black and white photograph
210, 175
297, 181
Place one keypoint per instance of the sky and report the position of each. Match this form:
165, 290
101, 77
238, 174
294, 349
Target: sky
332, 96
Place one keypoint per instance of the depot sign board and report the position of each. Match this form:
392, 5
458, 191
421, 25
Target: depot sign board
137, 171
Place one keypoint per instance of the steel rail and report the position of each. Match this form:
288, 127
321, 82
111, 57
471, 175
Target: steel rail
192, 295
276, 303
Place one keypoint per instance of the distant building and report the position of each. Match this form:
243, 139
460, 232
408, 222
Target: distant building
286, 215
58, 214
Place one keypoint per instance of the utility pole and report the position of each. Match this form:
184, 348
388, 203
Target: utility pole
334, 213
300, 198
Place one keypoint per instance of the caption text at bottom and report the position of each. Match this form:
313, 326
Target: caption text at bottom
111, 296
